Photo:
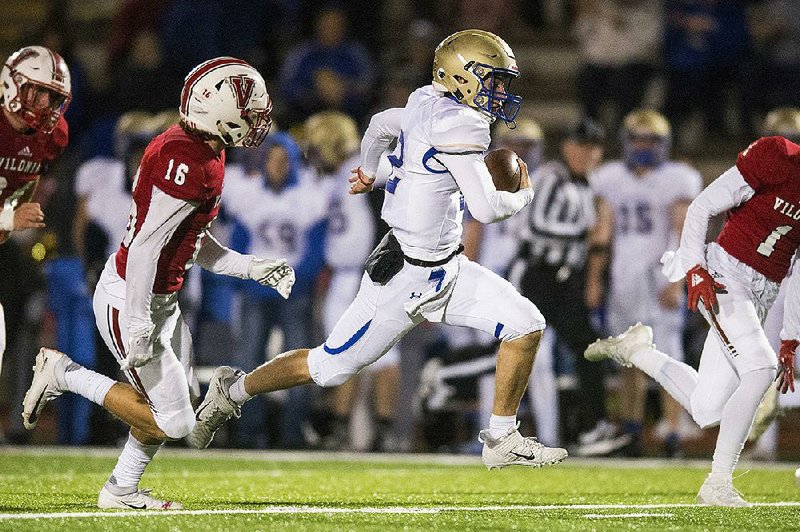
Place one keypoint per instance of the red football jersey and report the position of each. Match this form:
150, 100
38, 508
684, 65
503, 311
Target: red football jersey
186, 168
764, 232
24, 157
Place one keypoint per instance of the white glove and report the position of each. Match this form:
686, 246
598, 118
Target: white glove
140, 352
273, 272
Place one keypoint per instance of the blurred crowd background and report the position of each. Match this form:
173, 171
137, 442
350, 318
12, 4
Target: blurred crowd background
714, 68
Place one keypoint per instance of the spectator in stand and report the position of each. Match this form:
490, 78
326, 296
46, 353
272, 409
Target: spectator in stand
776, 33
619, 42
706, 42
328, 72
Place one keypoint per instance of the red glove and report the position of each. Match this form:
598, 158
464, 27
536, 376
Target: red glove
786, 365
702, 286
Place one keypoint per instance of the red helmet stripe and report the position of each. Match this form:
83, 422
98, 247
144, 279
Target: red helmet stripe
202, 70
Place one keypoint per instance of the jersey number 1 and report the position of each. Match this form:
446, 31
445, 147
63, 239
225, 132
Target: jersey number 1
180, 172
768, 245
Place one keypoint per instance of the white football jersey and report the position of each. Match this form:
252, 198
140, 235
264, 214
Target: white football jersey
643, 228
102, 182
423, 203
351, 227
277, 222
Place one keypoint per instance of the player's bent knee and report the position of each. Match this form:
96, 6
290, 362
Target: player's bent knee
177, 425
327, 370
706, 416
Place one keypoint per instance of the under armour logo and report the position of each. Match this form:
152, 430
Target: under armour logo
696, 279
416, 295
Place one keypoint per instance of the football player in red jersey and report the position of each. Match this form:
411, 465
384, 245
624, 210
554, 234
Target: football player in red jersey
176, 194
732, 282
34, 93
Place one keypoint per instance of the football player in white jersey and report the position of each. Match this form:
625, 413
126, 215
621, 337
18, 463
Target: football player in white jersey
649, 195
417, 271
332, 146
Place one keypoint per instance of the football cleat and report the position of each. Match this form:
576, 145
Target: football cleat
216, 408
603, 440
138, 500
717, 491
44, 386
621, 348
514, 449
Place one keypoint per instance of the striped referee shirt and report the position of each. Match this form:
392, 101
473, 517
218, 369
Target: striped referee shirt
558, 219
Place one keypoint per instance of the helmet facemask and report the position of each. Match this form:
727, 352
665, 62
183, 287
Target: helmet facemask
38, 105
648, 151
494, 96
260, 123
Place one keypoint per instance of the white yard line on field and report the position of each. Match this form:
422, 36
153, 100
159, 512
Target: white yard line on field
624, 516
369, 510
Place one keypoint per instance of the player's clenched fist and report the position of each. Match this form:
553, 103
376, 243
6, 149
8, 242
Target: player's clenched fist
360, 182
273, 272
28, 216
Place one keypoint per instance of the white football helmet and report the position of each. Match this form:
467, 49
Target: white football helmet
36, 87
227, 98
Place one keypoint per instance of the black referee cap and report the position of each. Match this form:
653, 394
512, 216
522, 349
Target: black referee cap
586, 131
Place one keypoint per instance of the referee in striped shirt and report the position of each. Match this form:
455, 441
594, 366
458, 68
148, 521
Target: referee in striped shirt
560, 241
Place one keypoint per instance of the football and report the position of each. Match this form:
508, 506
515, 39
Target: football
504, 168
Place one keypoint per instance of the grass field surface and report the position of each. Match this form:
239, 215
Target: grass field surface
56, 489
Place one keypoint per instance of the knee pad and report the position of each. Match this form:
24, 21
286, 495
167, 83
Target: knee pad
330, 370
178, 424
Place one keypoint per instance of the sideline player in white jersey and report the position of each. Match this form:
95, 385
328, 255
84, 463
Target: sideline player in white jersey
649, 195
103, 187
332, 146
733, 283
176, 194
417, 271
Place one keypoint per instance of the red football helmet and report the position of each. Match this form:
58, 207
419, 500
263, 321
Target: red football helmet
227, 98
36, 87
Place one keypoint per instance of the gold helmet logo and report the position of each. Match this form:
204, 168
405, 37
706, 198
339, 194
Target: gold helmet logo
476, 67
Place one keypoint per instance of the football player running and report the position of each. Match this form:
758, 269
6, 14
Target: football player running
176, 195
417, 272
732, 282
35, 91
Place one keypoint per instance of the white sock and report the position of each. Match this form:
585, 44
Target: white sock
130, 466
72, 377
677, 378
500, 425
237, 392
737, 416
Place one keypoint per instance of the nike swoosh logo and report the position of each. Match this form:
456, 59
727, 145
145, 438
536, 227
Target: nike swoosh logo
142, 507
525, 456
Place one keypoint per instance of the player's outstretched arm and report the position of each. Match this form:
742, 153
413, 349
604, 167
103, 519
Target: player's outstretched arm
218, 259
383, 129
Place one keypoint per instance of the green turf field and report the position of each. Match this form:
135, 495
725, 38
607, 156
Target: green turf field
281, 491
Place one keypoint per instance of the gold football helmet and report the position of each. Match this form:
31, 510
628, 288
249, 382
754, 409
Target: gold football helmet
783, 121
330, 138
476, 67
646, 138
